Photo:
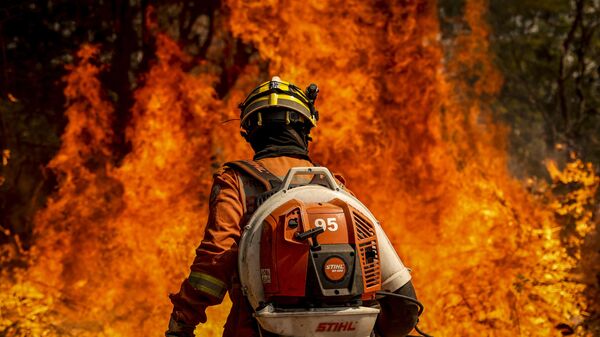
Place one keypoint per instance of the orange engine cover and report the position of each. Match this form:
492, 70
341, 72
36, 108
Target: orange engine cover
284, 258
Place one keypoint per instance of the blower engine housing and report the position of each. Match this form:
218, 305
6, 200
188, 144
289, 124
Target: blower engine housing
338, 266
310, 256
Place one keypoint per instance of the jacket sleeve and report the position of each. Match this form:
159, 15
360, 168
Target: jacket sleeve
216, 257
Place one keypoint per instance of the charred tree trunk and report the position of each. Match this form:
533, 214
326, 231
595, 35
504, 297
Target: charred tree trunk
120, 75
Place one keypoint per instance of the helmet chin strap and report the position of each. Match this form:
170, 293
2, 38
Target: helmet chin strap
304, 140
301, 137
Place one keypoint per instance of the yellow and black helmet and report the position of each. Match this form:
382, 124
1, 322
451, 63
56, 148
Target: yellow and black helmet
280, 101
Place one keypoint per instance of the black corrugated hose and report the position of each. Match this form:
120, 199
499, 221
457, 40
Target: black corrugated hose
412, 300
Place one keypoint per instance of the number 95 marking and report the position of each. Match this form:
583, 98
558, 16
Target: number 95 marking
329, 225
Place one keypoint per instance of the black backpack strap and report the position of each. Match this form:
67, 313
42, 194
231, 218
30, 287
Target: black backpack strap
258, 172
257, 183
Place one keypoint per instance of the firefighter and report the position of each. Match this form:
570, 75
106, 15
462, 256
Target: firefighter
277, 127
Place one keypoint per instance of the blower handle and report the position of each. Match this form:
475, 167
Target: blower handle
294, 171
313, 233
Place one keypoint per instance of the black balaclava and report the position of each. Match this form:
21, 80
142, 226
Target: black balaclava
278, 139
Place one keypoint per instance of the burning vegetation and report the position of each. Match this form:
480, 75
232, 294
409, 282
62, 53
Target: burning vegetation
404, 118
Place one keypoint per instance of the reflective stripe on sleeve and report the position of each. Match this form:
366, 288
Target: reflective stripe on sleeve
208, 284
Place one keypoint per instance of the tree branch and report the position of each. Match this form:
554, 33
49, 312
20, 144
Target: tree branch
583, 114
562, 97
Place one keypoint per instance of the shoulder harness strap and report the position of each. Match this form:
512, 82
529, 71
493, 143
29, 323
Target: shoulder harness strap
258, 184
258, 172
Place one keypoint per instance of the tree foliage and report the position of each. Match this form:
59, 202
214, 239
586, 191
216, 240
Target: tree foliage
548, 52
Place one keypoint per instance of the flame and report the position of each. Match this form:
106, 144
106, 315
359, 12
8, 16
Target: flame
109, 232
414, 140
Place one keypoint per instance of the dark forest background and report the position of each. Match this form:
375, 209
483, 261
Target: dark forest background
548, 52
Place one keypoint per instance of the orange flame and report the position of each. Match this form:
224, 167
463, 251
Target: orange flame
110, 233
414, 140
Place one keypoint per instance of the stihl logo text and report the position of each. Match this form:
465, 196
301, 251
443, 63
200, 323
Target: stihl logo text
336, 326
336, 268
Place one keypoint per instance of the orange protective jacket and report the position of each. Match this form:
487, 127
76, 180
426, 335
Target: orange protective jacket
214, 270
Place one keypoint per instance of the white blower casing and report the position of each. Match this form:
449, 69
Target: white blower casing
352, 321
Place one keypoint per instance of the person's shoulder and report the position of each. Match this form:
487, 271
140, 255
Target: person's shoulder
232, 165
226, 172
223, 170
342, 182
340, 178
